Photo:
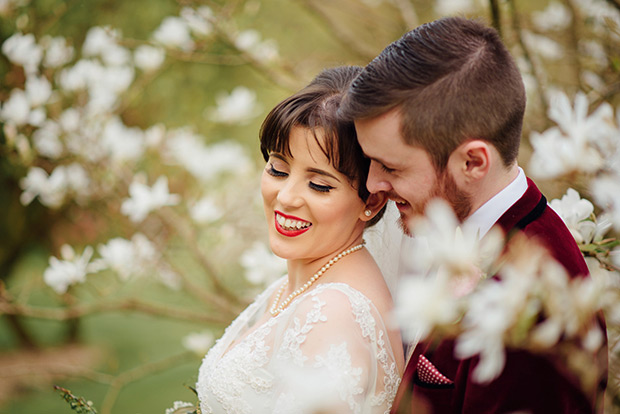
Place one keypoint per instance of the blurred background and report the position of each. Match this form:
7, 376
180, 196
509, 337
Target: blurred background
131, 226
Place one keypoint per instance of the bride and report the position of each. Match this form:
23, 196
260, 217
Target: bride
318, 339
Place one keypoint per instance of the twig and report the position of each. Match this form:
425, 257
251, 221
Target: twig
495, 16
77, 311
363, 51
574, 39
189, 235
139, 372
516, 23
285, 79
614, 3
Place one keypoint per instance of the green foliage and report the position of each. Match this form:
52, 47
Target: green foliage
77, 404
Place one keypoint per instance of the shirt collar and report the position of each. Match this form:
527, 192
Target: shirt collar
485, 217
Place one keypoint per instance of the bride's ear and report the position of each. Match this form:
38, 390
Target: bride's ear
374, 204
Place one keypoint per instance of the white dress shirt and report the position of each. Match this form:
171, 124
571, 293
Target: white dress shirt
485, 217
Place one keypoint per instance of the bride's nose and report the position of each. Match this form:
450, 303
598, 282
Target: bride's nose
290, 194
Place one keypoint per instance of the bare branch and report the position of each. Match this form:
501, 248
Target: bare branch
495, 16
363, 51
77, 311
137, 373
516, 23
614, 3
189, 235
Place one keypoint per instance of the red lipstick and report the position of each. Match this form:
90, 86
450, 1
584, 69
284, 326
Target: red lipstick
286, 232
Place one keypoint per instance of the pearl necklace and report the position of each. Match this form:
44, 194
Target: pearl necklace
275, 309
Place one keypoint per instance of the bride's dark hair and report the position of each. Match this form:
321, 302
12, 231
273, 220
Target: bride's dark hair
316, 107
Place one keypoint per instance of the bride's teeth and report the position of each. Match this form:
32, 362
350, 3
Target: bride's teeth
290, 224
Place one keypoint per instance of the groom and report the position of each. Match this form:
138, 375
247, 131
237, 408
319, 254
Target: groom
439, 113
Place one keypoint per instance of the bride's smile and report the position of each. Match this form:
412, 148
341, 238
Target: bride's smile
289, 225
313, 210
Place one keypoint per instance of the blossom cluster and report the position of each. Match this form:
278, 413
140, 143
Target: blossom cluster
489, 296
66, 124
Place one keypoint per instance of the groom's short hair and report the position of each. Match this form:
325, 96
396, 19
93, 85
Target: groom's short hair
452, 80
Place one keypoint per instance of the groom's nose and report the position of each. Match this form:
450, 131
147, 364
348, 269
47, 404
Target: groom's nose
377, 180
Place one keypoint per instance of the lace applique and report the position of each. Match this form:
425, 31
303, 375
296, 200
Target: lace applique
346, 378
296, 335
271, 369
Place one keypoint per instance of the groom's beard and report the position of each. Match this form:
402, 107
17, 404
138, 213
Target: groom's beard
446, 188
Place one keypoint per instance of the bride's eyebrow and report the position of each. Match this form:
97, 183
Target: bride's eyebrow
279, 156
322, 172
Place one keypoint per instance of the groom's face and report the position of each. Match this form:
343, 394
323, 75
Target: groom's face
404, 172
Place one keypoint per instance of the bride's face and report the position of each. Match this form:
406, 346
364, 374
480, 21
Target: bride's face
312, 210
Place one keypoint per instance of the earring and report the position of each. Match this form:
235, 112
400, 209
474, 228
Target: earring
368, 213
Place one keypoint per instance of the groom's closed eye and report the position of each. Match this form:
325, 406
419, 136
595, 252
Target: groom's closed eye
386, 168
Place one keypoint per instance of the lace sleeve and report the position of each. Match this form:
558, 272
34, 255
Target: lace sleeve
331, 354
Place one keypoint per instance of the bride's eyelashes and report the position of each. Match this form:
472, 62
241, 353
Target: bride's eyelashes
271, 170
320, 188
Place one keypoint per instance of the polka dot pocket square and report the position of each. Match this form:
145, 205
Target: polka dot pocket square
428, 375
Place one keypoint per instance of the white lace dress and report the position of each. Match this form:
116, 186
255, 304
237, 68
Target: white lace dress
328, 351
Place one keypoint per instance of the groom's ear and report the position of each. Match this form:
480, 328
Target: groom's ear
374, 204
470, 161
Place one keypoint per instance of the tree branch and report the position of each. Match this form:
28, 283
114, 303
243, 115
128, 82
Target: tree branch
137, 373
77, 311
516, 23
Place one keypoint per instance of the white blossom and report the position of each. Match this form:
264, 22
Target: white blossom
69, 120
37, 117
606, 192
198, 342
205, 210
174, 32
240, 106
23, 50
57, 52
149, 58
576, 212
577, 143
261, 265
202, 161
70, 270
543, 46
442, 242
51, 189
181, 407
103, 42
421, 303
198, 20
453, 7
555, 17
98, 39
121, 142
78, 181
595, 51
46, 140
16, 109
592, 80
80, 75
38, 90
127, 258
556, 154
154, 135
144, 199
250, 42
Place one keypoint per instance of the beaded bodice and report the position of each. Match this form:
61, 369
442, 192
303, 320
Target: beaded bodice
328, 350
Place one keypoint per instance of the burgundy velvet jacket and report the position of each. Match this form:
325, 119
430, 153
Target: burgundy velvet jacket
528, 383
